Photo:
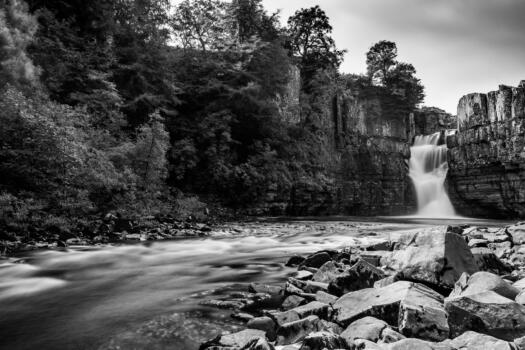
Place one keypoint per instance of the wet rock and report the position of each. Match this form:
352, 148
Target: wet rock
487, 313
486, 260
434, 257
359, 276
316, 260
235, 340
281, 318
241, 316
293, 332
384, 303
481, 282
475, 341
266, 289
294, 261
387, 281
265, 324
309, 286
304, 275
323, 341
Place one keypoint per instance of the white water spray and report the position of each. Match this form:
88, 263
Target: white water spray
428, 171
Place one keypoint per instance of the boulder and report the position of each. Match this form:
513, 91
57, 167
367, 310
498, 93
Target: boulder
416, 307
417, 344
293, 301
520, 298
323, 341
487, 313
360, 275
259, 344
486, 260
475, 341
280, 318
303, 275
293, 332
519, 284
387, 281
326, 298
434, 257
294, 261
329, 271
481, 282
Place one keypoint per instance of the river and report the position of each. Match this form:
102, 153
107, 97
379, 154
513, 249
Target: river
147, 295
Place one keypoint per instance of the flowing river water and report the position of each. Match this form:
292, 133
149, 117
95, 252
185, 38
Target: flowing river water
146, 296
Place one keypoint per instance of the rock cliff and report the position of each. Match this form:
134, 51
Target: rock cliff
429, 120
487, 155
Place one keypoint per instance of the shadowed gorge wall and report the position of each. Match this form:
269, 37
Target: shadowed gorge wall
487, 156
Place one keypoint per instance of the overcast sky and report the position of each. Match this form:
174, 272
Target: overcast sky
457, 46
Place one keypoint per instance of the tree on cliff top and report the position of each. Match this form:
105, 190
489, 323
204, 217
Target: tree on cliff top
310, 41
399, 78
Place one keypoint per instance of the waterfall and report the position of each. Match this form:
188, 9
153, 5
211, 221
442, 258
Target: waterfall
428, 171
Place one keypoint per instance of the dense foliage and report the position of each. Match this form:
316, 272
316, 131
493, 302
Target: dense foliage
126, 105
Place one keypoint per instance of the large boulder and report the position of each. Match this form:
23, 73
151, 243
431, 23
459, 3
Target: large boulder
416, 344
293, 332
486, 260
487, 313
368, 328
434, 257
481, 282
323, 341
475, 341
416, 309
517, 233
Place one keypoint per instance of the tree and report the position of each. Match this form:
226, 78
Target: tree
398, 77
380, 60
199, 24
17, 28
309, 32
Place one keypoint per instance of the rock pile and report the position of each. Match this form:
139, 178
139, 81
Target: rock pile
443, 288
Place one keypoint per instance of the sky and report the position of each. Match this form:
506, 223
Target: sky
457, 46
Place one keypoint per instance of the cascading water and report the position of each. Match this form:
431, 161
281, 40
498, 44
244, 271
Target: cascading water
428, 171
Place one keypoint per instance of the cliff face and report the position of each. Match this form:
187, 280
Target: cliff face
369, 150
429, 120
487, 155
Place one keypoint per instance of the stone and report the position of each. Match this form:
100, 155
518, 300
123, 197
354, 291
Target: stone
387, 281
316, 308
329, 271
303, 275
520, 284
294, 261
517, 233
483, 281
369, 328
293, 332
477, 242
266, 289
316, 260
487, 313
281, 318
434, 257
293, 301
385, 304
265, 324
323, 341
417, 344
309, 286
235, 340
475, 341
360, 275
259, 344
486, 260
390, 336
326, 298
520, 298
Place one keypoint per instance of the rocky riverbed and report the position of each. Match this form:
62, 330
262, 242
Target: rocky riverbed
445, 287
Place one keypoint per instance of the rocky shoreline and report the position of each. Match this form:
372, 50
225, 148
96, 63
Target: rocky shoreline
448, 287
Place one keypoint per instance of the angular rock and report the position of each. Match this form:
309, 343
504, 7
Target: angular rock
520, 284
517, 233
293, 301
236, 340
475, 341
359, 276
326, 298
329, 271
417, 344
434, 257
294, 261
259, 344
486, 260
385, 304
387, 281
390, 336
520, 298
303, 275
293, 332
481, 282
323, 341
369, 328
280, 318
316, 260
487, 313
265, 324
316, 308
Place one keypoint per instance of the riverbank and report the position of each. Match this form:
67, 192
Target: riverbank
447, 287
